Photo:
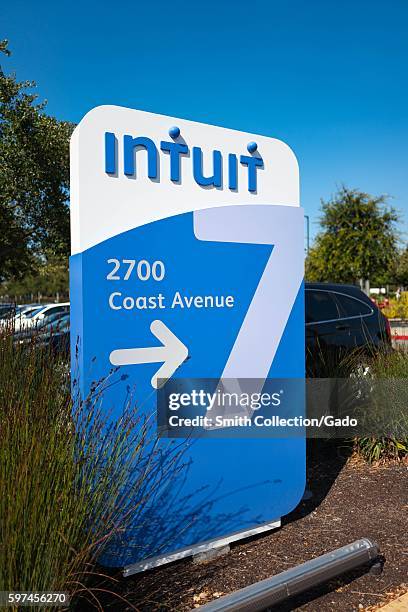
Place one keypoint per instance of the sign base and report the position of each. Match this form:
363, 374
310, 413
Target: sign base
142, 566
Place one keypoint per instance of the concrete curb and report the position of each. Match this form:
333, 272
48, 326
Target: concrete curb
398, 605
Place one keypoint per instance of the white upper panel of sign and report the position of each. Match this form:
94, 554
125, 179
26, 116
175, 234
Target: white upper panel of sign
129, 168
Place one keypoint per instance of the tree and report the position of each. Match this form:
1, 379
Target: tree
34, 179
357, 241
401, 269
50, 278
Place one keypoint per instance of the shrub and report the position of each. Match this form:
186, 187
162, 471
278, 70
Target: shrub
63, 473
397, 309
379, 449
389, 401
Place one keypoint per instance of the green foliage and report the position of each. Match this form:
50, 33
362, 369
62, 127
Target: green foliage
64, 475
48, 279
389, 402
376, 450
397, 309
34, 178
401, 269
358, 239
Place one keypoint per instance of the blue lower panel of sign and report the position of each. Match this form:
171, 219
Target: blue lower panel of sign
200, 291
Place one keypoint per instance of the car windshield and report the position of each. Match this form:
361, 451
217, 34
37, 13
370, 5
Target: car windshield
22, 312
30, 313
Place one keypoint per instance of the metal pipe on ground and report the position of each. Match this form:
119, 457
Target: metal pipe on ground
269, 592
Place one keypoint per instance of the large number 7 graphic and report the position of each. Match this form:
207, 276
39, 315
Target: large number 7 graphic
281, 226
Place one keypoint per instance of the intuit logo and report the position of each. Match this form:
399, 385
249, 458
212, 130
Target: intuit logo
177, 149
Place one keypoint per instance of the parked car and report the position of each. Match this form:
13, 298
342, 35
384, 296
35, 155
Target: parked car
52, 336
340, 321
16, 316
57, 340
54, 322
44, 312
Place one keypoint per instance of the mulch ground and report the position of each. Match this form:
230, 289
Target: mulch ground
350, 501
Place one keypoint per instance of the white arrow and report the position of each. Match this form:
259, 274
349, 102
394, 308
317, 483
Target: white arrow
172, 354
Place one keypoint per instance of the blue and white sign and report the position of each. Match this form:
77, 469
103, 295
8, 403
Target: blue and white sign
187, 262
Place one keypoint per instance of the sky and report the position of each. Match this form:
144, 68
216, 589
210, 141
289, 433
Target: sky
328, 77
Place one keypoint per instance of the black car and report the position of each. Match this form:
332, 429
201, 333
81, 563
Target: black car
341, 321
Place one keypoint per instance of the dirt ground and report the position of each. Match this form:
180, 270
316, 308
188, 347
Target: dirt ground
350, 500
